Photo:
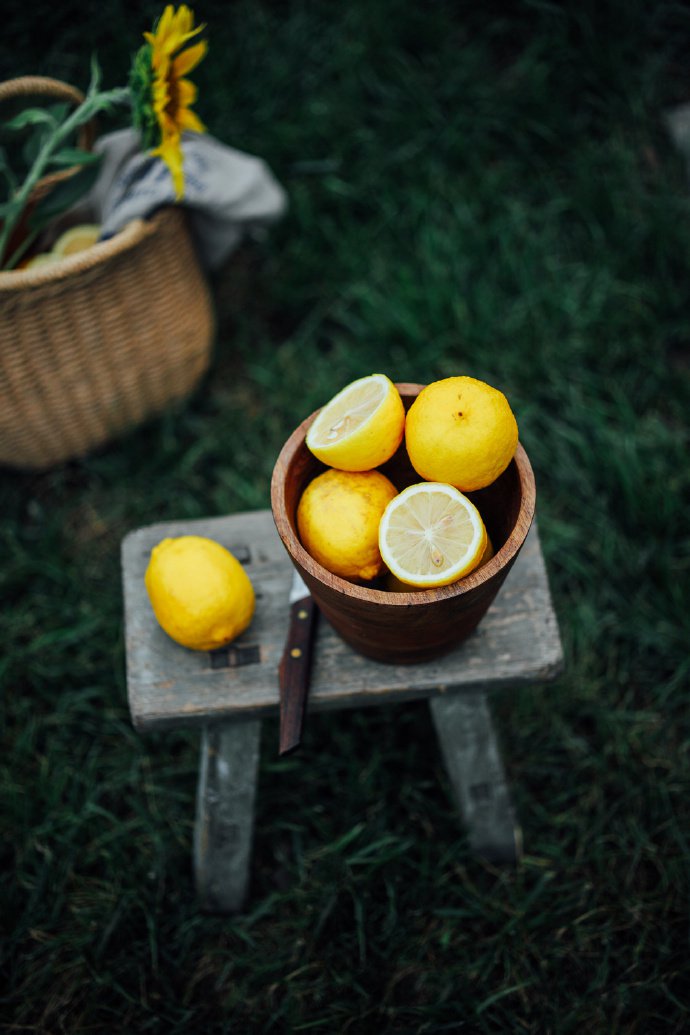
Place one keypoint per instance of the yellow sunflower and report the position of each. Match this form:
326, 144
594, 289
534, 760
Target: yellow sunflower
162, 97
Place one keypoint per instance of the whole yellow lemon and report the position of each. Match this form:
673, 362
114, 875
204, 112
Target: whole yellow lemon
200, 593
461, 431
338, 519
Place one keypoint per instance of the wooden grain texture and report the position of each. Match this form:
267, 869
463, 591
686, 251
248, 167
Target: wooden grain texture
405, 627
224, 827
472, 758
517, 642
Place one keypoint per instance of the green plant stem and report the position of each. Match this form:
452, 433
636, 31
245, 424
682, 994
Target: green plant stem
90, 106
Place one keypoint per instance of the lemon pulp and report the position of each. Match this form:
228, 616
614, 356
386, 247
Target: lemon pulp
395, 585
431, 535
360, 427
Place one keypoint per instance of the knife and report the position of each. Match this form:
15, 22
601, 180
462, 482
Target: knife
295, 664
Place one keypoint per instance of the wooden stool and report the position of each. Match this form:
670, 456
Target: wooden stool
228, 692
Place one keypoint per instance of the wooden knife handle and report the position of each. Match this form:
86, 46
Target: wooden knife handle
293, 673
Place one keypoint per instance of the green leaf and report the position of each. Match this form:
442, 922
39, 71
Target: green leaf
59, 111
21, 249
73, 156
110, 99
7, 172
32, 146
31, 117
64, 195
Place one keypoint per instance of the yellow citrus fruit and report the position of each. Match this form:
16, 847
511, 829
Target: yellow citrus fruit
461, 431
76, 239
394, 585
200, 593
361, 427
431, 535
42, 259
338, 521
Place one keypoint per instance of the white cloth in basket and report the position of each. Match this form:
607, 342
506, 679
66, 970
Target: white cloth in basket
227, 193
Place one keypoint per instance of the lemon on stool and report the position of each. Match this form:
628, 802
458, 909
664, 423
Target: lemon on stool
461, 431
200, 593
361, 427
338, 521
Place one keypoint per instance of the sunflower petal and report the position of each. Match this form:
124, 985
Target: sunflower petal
170, 37
189, 120
160, 92
164, 23
184, 20
170, 94
170, 152
190, 58
186, 94
161, 29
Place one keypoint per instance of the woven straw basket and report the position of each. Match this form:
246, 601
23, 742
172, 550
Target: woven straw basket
96, 343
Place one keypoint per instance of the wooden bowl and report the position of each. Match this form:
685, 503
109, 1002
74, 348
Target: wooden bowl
419, 625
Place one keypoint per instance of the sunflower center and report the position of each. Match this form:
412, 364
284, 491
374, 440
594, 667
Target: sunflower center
172, 106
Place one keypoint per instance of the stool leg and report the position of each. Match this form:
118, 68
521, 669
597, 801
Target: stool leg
473, 762
225, 814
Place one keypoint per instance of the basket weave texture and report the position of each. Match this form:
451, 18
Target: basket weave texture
100, 341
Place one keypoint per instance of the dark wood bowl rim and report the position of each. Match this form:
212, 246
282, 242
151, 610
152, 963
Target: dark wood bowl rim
413, 598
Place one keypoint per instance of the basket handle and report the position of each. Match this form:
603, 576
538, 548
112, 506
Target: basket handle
41, 85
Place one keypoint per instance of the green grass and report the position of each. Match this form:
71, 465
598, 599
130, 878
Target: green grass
481, 190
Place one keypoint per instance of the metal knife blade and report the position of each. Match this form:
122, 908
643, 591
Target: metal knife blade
295, 664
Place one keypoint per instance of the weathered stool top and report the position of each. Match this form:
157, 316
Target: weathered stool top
517, 642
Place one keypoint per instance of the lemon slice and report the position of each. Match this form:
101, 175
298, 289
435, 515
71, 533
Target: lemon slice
431, 535
361, 427
76, 239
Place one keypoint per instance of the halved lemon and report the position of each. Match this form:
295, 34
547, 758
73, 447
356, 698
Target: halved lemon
431, 535
394, 585
361, 427
76, 239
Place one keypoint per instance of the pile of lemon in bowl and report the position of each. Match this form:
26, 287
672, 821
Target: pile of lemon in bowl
460, 434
